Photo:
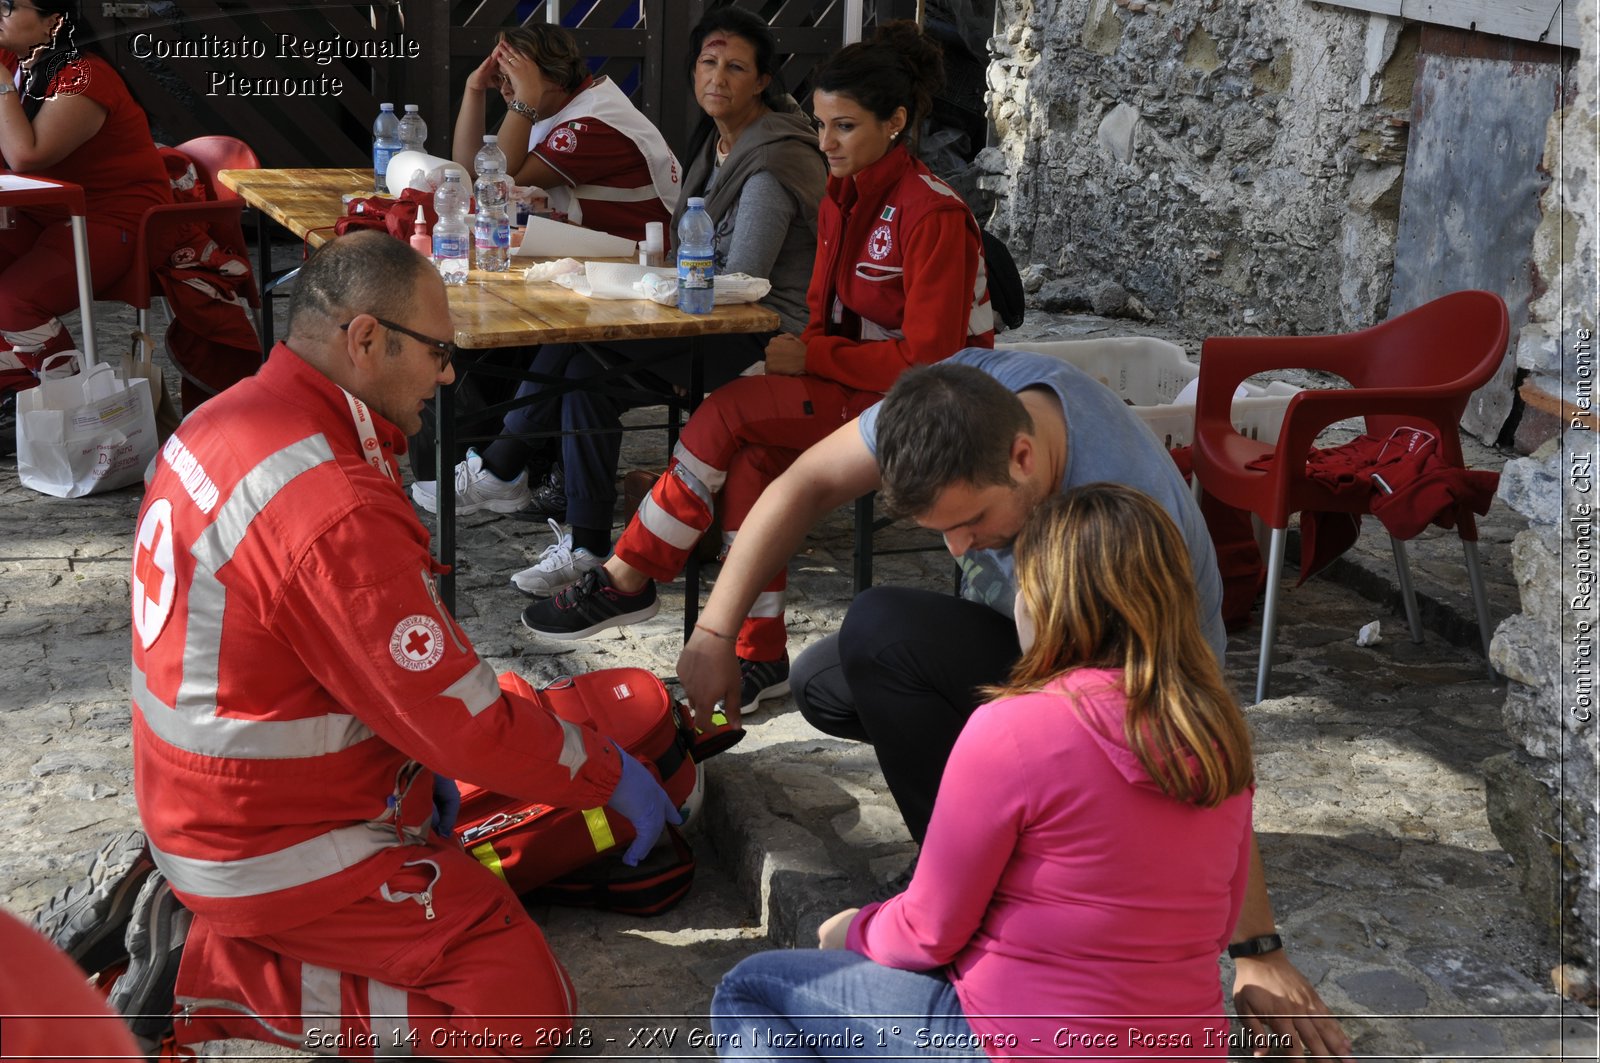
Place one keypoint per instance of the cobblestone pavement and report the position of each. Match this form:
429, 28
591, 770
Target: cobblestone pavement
1394, 897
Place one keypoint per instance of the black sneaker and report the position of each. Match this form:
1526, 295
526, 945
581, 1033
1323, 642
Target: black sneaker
592, 604
761, 679
87, 920
144, 994
550, 494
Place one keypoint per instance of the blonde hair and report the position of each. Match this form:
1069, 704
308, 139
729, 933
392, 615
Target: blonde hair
1104, 573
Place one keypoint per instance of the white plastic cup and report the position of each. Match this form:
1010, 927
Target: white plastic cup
652, 251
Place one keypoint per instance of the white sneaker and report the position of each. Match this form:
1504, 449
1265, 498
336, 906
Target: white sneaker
476, 488
559, 566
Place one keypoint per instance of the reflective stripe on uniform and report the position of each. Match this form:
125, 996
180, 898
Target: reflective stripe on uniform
388, 1003
214, 548
767, 603
476, 690
608, 194
319, 994
871, 330
704, 480
574, 753
665, 526
211, 735
297, 865
981, 319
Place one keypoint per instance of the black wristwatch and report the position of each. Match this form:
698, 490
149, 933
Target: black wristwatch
1256, 946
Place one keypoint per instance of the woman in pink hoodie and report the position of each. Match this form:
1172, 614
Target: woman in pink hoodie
1089, 845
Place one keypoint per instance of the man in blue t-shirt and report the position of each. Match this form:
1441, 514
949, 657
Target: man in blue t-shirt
967, 447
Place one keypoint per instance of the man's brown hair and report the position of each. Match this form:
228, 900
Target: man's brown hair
941, 425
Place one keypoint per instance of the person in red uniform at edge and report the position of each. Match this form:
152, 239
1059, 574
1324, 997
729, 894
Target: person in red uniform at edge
578, 137
297, 684
47, 1010
64, 113
898, 281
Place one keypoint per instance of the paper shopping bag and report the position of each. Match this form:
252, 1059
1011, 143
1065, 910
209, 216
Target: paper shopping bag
87, 432
140, 362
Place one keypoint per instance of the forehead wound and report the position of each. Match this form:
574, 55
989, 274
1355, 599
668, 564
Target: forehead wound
714, 42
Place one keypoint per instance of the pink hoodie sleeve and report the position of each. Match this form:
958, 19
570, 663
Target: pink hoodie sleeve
977, 819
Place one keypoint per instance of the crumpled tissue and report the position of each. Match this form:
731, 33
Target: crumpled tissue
549, 271
727, 287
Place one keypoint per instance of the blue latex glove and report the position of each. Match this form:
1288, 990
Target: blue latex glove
446, 805
643, 802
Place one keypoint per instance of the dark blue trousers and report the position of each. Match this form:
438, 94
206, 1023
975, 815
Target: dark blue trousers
590, 423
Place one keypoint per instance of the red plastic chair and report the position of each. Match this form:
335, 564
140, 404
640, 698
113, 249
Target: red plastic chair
1418, 369
161, 226
214, 153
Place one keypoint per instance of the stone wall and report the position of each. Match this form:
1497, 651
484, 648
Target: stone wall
1542, 800
1228, 163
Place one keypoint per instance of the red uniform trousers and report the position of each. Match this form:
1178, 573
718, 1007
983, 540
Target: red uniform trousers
39, 281
474, 978
742, 437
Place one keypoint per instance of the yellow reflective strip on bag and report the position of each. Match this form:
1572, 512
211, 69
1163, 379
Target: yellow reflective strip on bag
599, 829
489, 858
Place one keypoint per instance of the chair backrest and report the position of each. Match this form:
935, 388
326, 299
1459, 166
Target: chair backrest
1452, 345
1457, 340
213, 153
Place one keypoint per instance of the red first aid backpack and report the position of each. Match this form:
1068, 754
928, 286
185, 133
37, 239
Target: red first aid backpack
532, 845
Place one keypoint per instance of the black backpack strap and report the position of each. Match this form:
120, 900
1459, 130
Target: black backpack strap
1006, 296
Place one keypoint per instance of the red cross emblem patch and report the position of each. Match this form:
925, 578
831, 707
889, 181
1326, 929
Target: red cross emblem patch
564, 140
880, 243
417, 643
153, 581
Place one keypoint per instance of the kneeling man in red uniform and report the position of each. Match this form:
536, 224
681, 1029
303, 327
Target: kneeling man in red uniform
300, 694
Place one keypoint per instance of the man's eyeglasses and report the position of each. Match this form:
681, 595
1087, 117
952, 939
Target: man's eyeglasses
443, 350
11, 7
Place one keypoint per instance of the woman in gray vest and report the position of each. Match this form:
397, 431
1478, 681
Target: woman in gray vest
762, 177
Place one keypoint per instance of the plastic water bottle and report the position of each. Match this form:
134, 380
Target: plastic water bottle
697, 259
385, 143
491, 229
451, 237
413, 130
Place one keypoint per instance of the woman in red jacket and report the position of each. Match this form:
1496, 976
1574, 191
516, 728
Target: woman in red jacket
899, 280
64, 113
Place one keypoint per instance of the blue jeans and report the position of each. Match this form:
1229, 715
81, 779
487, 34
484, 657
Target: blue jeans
836, 1004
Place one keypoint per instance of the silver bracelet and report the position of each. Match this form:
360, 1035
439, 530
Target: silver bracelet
6, 87
530, 113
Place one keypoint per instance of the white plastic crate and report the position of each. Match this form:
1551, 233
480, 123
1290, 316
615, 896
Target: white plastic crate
1150, 373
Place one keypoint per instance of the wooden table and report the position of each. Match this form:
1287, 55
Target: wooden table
490, 310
